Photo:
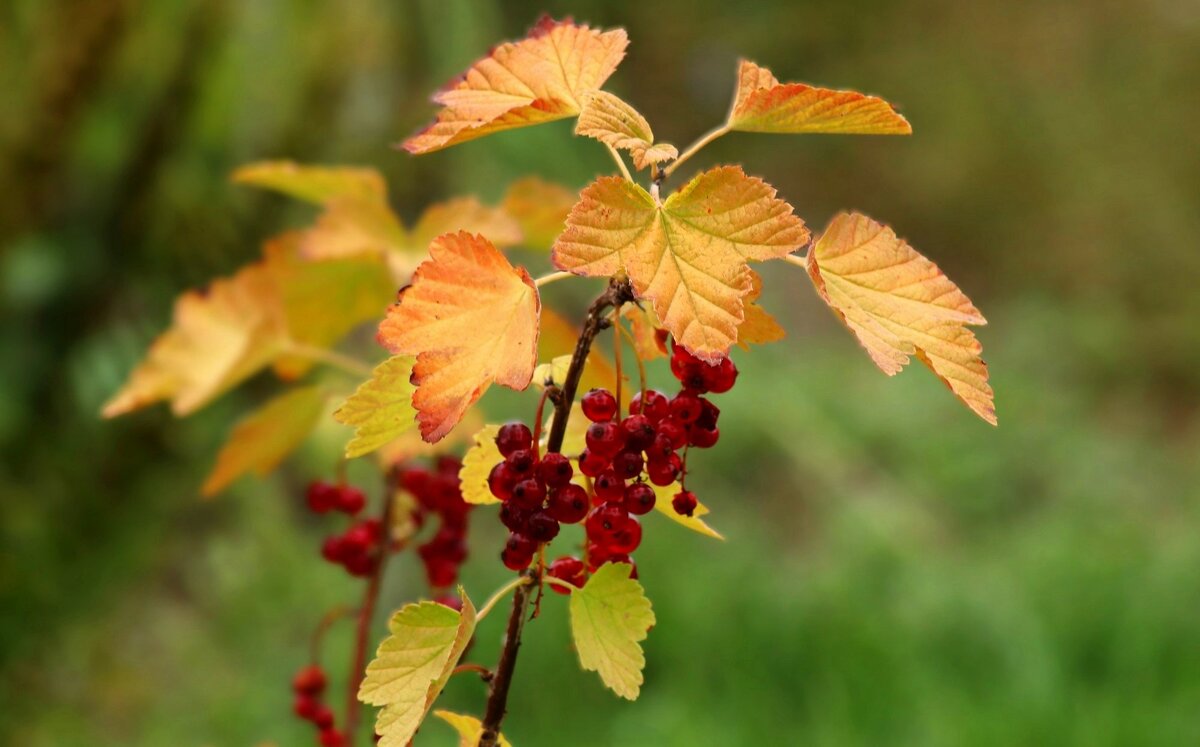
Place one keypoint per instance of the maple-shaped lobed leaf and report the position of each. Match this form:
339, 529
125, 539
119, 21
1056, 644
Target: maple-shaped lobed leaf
899, 304
612, 121
687, 255
540, 208
380, 410
610, 615
413, 664
763, 104
470, 318
539, 79
264, 437
469, 728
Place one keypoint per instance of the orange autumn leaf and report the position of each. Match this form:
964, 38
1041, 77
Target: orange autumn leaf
470, 318
539, 79
688, 255
899, 304
613, 122
759, 327
763, 104
540, 208
649, 339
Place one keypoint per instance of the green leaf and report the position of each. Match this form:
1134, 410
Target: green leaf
609, 616
477, 464
260, 441
380, 410
413, 664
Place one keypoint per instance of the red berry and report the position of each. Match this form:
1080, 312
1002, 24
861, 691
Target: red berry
305, 706
415, 480
639, 432
628, 464
542, 527
332, 738
521, 462
609, 487
441, 572
709, 414
605, 439
451, 601
555, 470
599, 405
323, 718
520, 544
514, 518
501, 481
334, 549
626, 537
358, 538
528, 494
568, 569
684, 503
703, 438
686, 407
360, 564
568, 504
675, 432
605, 520
513, 436
655, 405
350, 500
639, 498
592, 464
309, 681
664, 472
515, 560
321, 497
719, 378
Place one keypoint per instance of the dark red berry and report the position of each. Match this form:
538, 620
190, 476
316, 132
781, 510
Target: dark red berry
441, 572
609, 487
684, 503
639, 498
305, 706
359, 537
360, 564
662, 448
332, 738
605, 520
528, 494
350, 500
568, 569
655, 405
309, 681
675, 432
321, 497
664, 472
709, 414
628, 464
605, 439
514, 518
719, 378
521, 462
542, 527
512, 437
703, 438
568, 504
501, 481
323, 718
334, 549
686, 407
555, 470
520, 544
626, 537
515, 561
639, 432
592, 464
599, 405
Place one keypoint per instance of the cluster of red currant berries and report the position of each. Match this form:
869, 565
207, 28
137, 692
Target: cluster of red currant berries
624, 459
308, 686
438, 492
356, 549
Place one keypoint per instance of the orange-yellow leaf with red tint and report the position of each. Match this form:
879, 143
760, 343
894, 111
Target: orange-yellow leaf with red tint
759, 327
763, 104
539, 79
470, 318
686, 255
649, 339
612, 121
900, 304
540, 208
218, 337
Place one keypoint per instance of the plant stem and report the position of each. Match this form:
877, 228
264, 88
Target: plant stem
366, 613
486, 608
695, 148
333, 358
552, 277
620, 162
617, 293
797, 261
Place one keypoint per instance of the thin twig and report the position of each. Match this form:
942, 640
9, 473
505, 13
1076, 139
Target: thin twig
552, 277
620, 162
500, 594
695, 148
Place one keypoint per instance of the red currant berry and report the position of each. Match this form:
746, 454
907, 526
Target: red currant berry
555, 470
323, 718
626, 537
528, 494
358, 538
515, 561
655, 405
639, 432
661, 449
709, 414
605, 439
719, 379
628, 464
592, 464
321, 497
568, 569
521, 462
605, 520
350, 500
568, 504
512, 437
703, 438
639, 498
664, 472
597, 555
686, 407
332, 738
599, 405
684, 503
542, 527
675, 432
520, 544
334, 549
305, 706
359, 564
609, 487
514, 518
501, 481
441, 572
309, 681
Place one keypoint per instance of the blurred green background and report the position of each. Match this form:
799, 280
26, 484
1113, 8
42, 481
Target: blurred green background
896, 572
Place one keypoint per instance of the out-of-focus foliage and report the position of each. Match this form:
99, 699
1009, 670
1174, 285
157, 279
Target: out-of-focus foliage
895, 571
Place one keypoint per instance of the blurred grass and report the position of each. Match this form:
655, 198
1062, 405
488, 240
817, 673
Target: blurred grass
896, 572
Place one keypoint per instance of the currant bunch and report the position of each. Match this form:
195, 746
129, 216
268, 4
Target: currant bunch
438, 493
356, 549
308, 686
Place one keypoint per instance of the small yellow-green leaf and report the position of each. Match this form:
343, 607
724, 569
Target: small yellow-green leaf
609, 616
380, 410
413, 664
318, 184
260, 442
469, 728
553, 372
477, 463
693, 522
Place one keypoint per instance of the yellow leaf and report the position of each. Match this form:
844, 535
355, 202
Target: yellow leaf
540, 208
262, 439
759, 327
477, 464
413, 664
687, 255
763, 104
465, 214
318, 184
380, 410
898, 304
609, 616
662, 504
538, 79
469, 728
218, 337
610, 120
470, 318
552, 373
